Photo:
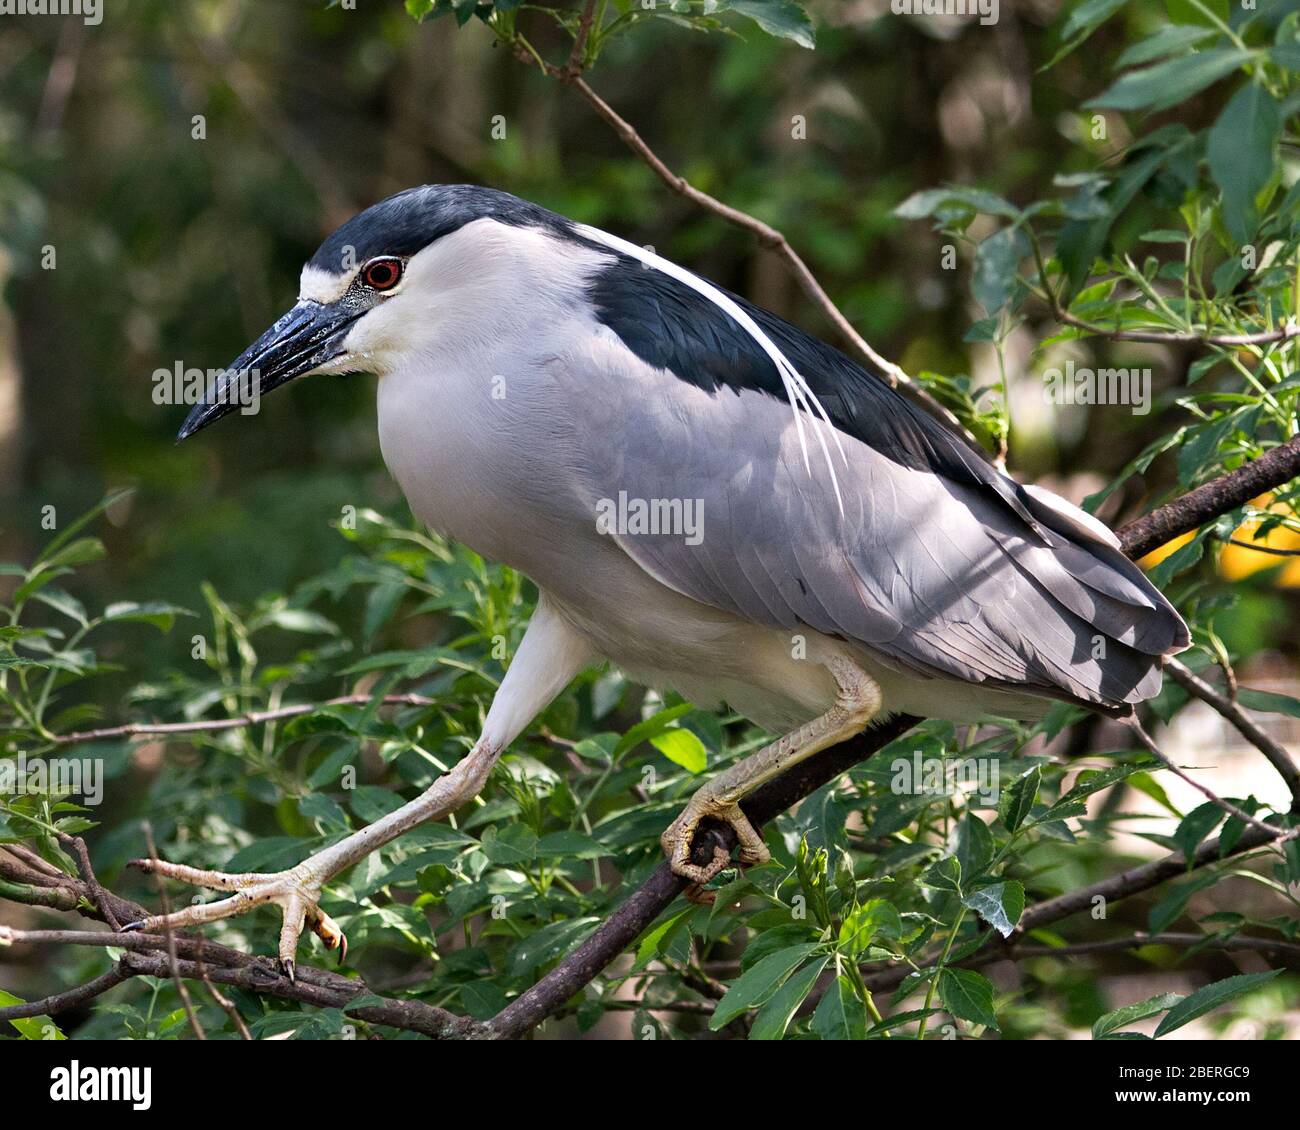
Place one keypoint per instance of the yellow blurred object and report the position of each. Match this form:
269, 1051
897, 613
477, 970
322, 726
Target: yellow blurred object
1152, 559
1238, 561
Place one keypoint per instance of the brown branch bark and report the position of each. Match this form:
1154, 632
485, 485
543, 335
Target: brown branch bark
653, 897
1221, 496
201, 960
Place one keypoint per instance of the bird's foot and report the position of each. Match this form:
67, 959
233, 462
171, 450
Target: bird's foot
678, 841
295, 892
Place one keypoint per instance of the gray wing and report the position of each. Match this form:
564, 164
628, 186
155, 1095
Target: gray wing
938, 577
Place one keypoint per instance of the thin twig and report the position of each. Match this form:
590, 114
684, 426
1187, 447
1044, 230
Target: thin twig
35, 861
253, 718
1207, 792
181, 990
1178, 337
223, 1002
1262, 548
61, 1001
318, 987
576, 61
82, 856
1245, 725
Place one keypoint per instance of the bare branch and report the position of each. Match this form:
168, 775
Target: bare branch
577, 59
1205, 791
1220, 496
774, 241
82, 856
61, 1001
1246, 726
1263, 548
254, 718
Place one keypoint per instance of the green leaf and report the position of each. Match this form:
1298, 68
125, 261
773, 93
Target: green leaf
32, 1027
301, 620
1083, 20
1163, 85
156, 612
549, 943
1268, 702
1169, 40
1085, 784
1170, 908
968, 995
70, 531
945, 875
1195, 826
756, 985
682, 748
781, 18
570, 845
775, 1016
997, 260
1240, 152
1018, 798
1130, 1013
874, 918
655, 724
654, 941
1000, 905
1211, 997
512, 845
840, 1015
80, 552
63, 602
974, 846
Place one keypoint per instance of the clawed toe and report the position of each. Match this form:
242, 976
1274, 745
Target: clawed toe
295, 892
678, 842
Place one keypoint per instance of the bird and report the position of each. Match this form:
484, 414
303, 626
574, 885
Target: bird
706, 497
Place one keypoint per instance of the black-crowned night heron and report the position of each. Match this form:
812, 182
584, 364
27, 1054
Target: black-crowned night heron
705, 496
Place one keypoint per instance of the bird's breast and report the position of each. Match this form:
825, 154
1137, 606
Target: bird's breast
480, 462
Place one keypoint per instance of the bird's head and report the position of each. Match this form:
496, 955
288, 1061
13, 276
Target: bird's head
374, 290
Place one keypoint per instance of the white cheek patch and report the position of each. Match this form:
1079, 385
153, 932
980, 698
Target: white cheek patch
320, 286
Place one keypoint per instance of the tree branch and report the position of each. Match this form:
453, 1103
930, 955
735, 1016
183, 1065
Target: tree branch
253, 718
1246, 726
201, 960
1220, 496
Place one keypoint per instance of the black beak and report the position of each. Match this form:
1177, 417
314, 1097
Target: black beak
306, 337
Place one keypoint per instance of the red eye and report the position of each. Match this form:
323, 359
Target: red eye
382, 274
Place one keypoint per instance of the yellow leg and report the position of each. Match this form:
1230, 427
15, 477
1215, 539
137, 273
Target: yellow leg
857, 702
